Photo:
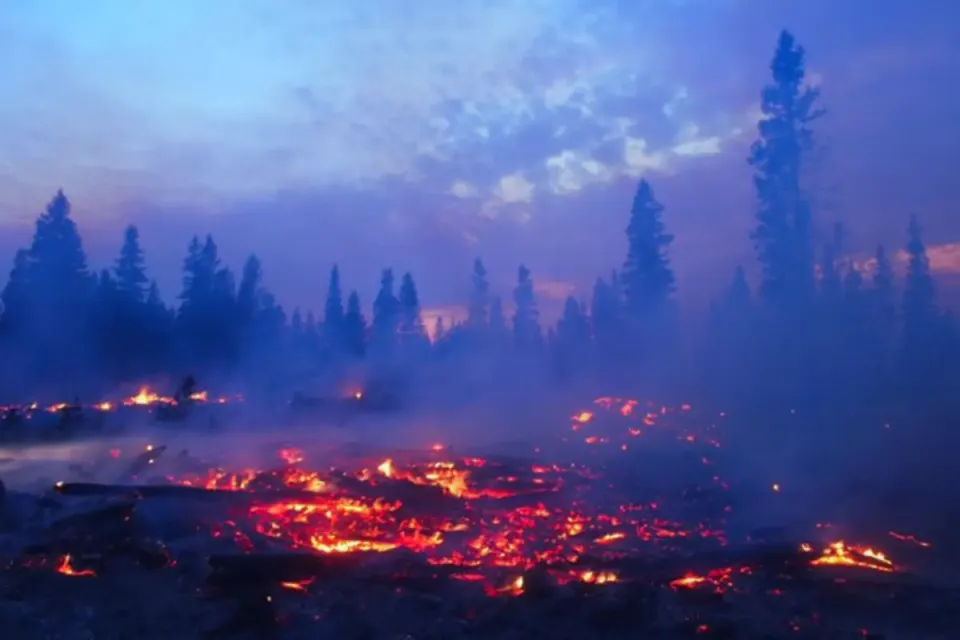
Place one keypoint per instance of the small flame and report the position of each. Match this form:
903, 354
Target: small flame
67, 569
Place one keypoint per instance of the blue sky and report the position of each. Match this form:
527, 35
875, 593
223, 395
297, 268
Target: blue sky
422, 134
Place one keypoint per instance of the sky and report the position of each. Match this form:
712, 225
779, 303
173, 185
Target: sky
420, 135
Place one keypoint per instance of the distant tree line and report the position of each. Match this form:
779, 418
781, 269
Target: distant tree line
820, 327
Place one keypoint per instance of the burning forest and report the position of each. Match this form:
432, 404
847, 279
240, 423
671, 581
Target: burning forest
628, 523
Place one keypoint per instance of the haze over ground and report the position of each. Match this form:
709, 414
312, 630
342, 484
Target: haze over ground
377, 134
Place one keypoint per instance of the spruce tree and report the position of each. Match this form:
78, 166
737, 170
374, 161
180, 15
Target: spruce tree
354, 326
16, 295
411, 323
130, 270
333, 313
783, 235
386, 314
573, 328
646, 277
527, 334
479, 297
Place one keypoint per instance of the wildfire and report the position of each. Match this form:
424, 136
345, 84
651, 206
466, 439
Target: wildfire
65, 568
145, 397
495, 520
839, 553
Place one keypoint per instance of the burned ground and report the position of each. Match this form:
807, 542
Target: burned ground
633, 521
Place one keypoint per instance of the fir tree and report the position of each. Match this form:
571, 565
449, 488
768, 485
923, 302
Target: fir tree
354, 326
16, 295
130, 270
573, 328
783, 234
647, 278
59, 281
411, 329
333, 313
479, 297
249, 291
605, 316
386, 314
526, 318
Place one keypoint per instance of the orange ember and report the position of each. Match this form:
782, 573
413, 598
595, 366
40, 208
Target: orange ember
491, 520
841, 554
65, 568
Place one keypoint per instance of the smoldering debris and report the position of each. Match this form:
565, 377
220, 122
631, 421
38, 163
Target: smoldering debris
622, 527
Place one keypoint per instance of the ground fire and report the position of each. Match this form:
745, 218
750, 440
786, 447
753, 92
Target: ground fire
596, 515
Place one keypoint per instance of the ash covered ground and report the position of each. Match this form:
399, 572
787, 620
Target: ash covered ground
627, 519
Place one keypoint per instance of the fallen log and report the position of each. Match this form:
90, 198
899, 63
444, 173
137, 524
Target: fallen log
787, 557
86, 489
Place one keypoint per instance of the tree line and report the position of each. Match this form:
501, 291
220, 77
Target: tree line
820, 327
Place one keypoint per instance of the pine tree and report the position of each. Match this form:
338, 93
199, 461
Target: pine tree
197, 279
333, 313
16, 295
56, 254
783, 234
60, 284
573, 329
479, 297
130, 270
207, 317
386, 314
411, 329
647, 278
61, 292
605, 317
249, 291
526, 318
354, 326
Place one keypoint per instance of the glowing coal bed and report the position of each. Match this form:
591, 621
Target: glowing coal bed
618, 527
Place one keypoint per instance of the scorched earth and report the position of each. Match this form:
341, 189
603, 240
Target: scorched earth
623, 525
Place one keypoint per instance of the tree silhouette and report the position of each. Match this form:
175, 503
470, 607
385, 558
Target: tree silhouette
16, 295
333, 313
526, 318
130, 270
572, 337
354, 327
479, 297
413, 335
647, 278
783, 234
386, 315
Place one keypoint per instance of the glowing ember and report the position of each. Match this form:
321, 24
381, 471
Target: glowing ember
146, 397
491, 520
839, 553
65, 568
